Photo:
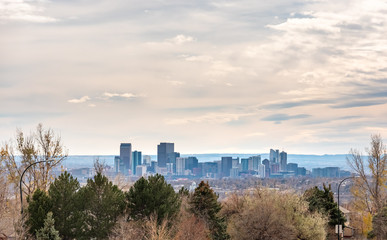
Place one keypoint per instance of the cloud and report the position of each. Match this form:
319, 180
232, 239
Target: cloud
108, 95
181, 39
79, 100
283, 117
212, 118
354, 104
29, 11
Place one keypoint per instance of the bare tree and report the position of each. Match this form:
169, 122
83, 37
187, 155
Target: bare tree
369, 188
24, 150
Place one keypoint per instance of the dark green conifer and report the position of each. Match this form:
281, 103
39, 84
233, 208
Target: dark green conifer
204, 204
152, 196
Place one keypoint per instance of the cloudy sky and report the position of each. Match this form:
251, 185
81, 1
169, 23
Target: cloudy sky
212, 76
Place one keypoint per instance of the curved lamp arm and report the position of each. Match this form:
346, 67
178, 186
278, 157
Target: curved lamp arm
21, 179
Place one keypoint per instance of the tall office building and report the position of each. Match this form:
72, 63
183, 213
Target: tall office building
266, 162
274, 156
180, 166
165, 154
245, 164
136, 161
191, 163
255, 161
226, 163
126, 156
283, 161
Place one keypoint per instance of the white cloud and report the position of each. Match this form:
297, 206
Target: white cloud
79, 100
181, 39
109, 95
21, 10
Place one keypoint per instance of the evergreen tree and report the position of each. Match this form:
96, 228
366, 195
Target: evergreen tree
102, 202
204, 204
323, 202
152, 196
38, 207
48, 231
66, 205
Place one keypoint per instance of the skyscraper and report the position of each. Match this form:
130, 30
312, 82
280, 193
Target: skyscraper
274, 156
283, 161
136, 161
226, 166
126, 156
165, 154
180, 166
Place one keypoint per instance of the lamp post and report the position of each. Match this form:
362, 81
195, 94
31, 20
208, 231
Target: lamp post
21, 179
338, 206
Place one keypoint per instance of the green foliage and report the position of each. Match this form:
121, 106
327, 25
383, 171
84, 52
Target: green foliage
322, 201
152, 197
66, 205
38, 208
48, 232
103, 203
204, 204
379, 224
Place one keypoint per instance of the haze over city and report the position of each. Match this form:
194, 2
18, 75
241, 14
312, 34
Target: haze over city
307, 77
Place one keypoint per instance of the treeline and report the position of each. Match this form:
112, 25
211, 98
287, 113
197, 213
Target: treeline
151, 209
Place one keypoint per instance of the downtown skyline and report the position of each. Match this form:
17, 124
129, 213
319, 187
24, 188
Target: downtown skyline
210, 76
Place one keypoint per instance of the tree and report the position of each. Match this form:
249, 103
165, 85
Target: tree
66, 205
369, 190
38, 207
103, 203
272, 215
48, 232
152, 197
204, 204
43, 144
379, 224
322, 201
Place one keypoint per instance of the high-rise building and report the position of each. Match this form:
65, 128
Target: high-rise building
274, 156
165, 154
261, 171
226, 163
283, 161
146, 159
245, 164
255, 161
180, 166
292, 167
126, 156
266, 162
136, 161
191, 163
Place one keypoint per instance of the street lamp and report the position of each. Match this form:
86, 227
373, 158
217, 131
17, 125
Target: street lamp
21, 179
338, 206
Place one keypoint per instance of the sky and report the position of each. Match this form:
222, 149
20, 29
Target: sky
307, 77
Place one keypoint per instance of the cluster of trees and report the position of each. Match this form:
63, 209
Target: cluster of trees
152, 210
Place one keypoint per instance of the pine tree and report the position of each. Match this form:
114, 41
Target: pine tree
48, 231
38, 207
323, 202
103, 203
152, 196
204, 204
66, 206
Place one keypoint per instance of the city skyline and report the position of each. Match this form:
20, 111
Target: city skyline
211, 76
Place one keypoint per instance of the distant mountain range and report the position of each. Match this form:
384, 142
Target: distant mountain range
307, 161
